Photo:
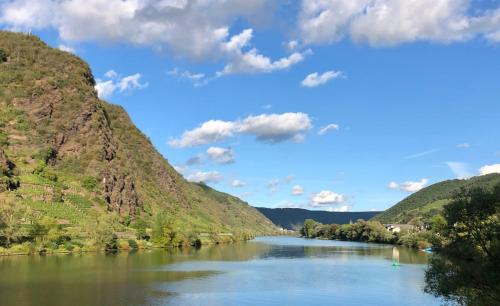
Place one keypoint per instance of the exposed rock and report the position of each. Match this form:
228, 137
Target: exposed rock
121, 195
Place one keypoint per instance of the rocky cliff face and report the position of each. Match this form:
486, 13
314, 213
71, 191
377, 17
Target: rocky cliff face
63, 138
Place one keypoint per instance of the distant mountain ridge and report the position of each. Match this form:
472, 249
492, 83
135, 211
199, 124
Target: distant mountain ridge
293, 218
430, 200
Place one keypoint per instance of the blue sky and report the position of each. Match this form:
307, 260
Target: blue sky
236, 93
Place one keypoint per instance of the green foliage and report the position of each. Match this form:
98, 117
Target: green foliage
42, 170
48, 101
365, 231
3, 56
4, 140
45, 154
430, 200
166, 233
10, 225
90, 183
466, 269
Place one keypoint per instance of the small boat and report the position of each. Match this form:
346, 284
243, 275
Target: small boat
427, 250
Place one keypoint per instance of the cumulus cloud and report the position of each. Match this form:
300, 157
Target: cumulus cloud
193, 28
459, 169
251, 61
488, 169
328, 128
327, 197
205, 177
220, 155
271, 128
297, 190
106, 88
238, 184
208, 132
409, 186
315, 79
391, 22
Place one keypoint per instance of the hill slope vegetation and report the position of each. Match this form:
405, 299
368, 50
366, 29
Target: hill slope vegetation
66, 155
430, 200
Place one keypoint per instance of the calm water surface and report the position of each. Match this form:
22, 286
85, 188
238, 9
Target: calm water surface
266, 271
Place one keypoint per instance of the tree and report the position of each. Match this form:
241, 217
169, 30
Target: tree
466, 269
10, 221
308, 228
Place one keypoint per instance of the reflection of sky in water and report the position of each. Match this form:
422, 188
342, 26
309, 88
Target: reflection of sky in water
267, 271
291, 271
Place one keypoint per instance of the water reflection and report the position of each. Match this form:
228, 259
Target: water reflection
268, 269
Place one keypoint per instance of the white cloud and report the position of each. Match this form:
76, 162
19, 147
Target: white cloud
220, 155
252, 61
343, 208
420, 154
111, 74
459, 169
391, 22
330, 127
315, 79
198, 79
238, 184
463, 145
195, 29
292, 45
327, 197
271, 128
66, 48
205, 177
297, 190
208, 132
275, 128
409, 186
106, 88
488, 169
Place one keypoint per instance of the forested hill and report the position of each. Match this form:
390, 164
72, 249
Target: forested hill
293, 218
430, 200
66, 155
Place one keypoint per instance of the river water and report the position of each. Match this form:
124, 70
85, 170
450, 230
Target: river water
265, 271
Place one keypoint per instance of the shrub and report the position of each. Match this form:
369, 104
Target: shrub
133, 244
3, 56
90, 183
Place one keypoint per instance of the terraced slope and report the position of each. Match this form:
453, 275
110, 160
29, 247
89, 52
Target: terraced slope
66, 154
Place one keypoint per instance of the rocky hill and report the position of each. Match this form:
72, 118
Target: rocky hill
68, 155
430, 200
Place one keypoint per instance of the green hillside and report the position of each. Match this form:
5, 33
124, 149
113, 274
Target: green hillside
430, 200
66, 155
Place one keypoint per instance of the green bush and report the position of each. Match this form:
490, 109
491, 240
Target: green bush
133, 244
90, 183
3, 56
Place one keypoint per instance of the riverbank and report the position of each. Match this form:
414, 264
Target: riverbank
367, 231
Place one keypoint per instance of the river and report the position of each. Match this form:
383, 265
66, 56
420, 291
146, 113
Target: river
265, 271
